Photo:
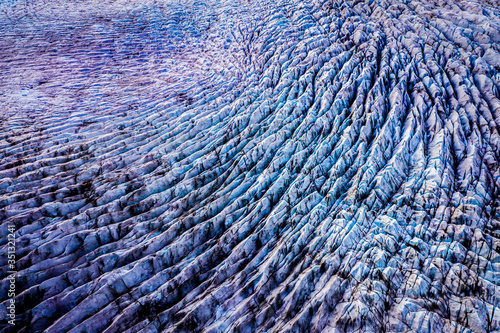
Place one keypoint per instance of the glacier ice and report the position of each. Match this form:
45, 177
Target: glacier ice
251, 166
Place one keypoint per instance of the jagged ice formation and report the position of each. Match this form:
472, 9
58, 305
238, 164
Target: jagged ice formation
251, 166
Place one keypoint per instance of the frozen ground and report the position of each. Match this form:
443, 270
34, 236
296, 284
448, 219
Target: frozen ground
251, 166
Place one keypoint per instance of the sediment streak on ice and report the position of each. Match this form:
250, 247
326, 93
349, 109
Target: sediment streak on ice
252, 166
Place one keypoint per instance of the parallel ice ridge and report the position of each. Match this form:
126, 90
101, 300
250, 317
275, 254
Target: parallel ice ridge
251, 166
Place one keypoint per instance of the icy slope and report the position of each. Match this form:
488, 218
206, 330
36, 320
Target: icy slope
251, 166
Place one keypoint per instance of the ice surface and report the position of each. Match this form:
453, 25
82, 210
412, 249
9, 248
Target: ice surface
251, 166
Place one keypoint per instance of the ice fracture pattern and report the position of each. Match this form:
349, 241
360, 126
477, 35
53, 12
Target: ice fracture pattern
251, 165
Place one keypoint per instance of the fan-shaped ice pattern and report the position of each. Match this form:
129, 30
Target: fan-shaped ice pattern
252, 166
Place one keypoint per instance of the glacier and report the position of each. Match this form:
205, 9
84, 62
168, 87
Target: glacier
251, 165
